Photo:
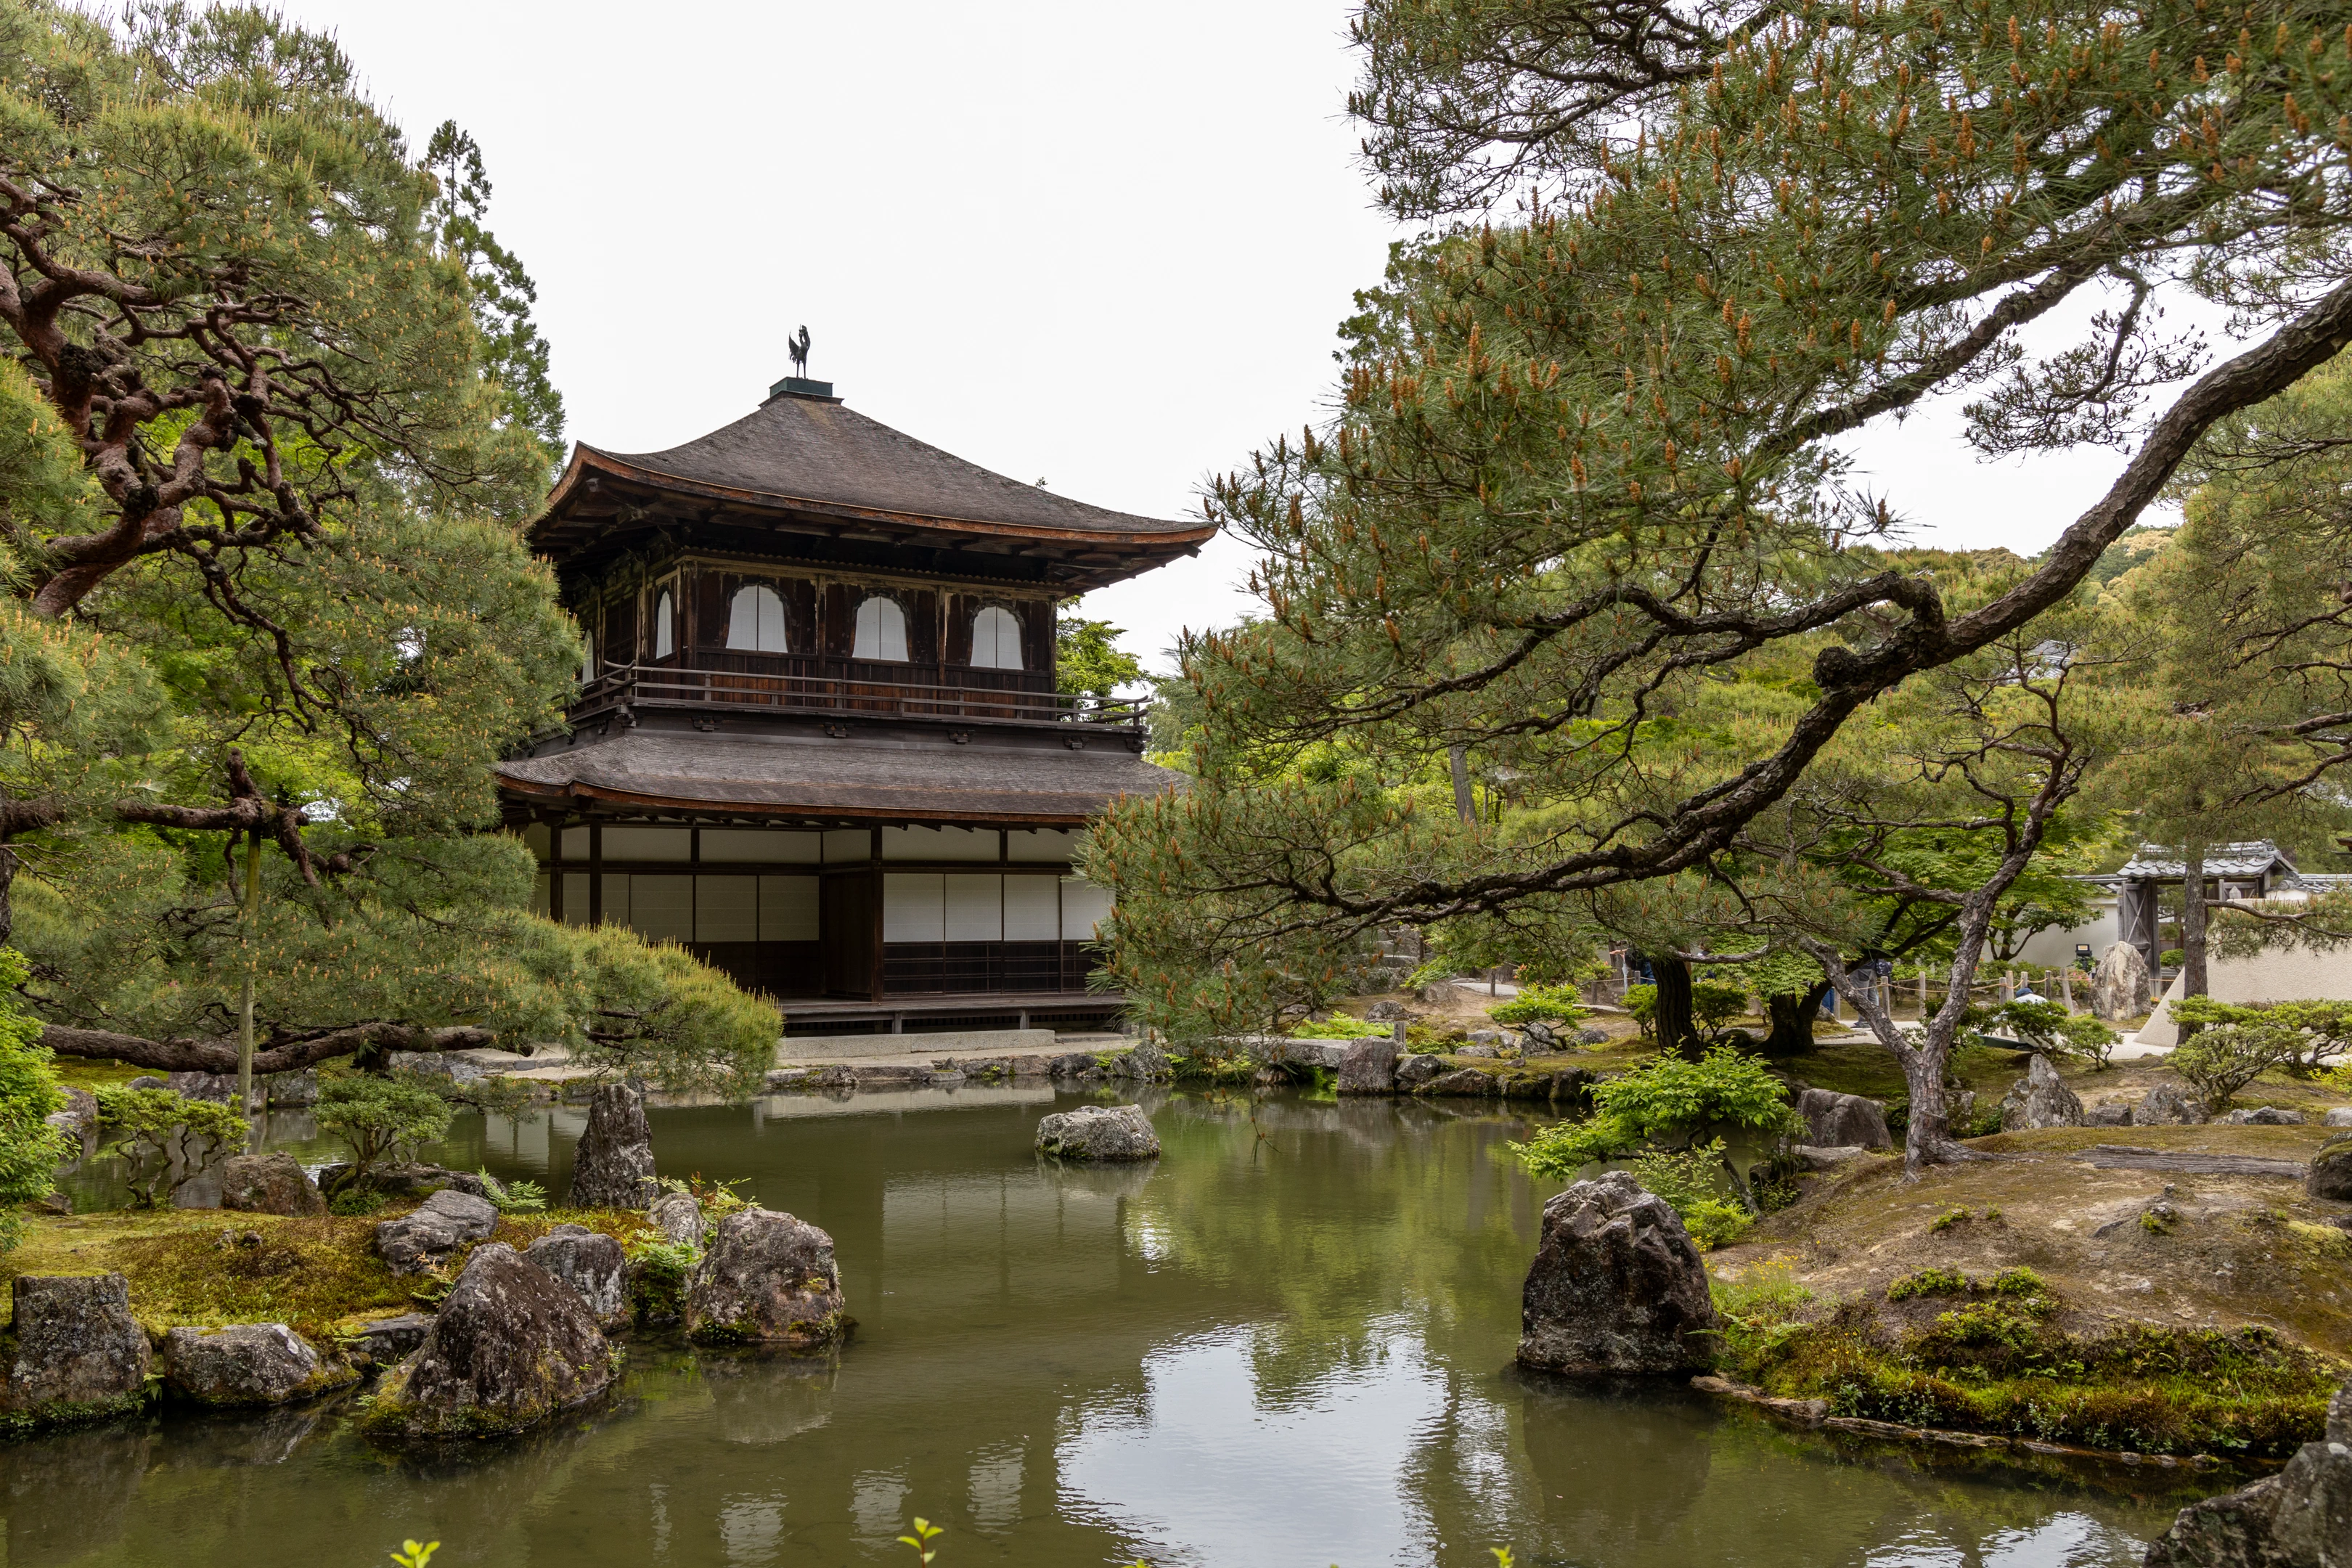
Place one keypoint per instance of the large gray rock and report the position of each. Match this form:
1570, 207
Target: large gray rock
220, 1086
591, 1263
512, 1346
1098, 1132
293, 1089
405, 1179
1416, 1070
2331, 1171
2300, 1518
2120, 985
2265, 1116
268, 1183
73, 1350
2339, 1117
77, 1118
388, 1340
1369, 1068
246, 1363
679, 1216
613, 1165
2039, 1099
444, 1222
2166, 1106
1835, 1121
1616, 1287
1462, 1081
2111, 1113
767, 1279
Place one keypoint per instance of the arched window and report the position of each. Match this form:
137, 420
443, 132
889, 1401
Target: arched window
881, 631
995, 639
755, 621
665, 640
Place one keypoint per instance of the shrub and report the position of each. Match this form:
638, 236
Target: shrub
1541, 1004
156, 1130
1928, 1282
2221, 1060
29, 1148
380, 1115
2321, 1029
2047, 1027
1338, 1026
1641, 1001
1691, 1182
1714, 1004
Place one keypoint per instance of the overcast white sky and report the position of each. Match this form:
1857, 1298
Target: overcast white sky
1106, 246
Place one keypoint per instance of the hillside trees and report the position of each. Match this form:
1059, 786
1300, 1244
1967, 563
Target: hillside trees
1584, 459
267, 516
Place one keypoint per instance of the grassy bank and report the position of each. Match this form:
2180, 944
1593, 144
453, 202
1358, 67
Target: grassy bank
205, 1266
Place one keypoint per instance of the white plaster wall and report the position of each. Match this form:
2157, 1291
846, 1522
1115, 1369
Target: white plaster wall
2274, 976
2053, 947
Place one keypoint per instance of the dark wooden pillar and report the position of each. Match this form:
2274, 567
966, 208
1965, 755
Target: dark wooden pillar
874, 849
595, 873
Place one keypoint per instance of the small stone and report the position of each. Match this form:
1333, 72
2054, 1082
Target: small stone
387, 1340
1480, 1050
1387, 1012
2339, 1117
781, 1079
246, 1363
1488, 1038
2265, 1116
679, 1216
1541, 1037
442, 1224
2330, 1175
1616, 1286
1415, 1070
511, 1346
768, 1278
268, 1183
1098, 1132
613, 1167
74, 1348
1836, 1119
1368, 1067
1431, 995
1813, 1157
2039, 1099
591, 1264
1590, 1036
2112, 1113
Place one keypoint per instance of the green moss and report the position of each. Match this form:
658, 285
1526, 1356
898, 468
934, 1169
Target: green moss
1997, 1363
60, 1413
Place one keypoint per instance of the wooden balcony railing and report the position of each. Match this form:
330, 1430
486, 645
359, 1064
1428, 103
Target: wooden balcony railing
812, 684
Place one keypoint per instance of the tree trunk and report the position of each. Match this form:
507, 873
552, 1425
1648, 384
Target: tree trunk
1464, 806
1792, 1017
287, 1055
2192, 920
1928, 1135
1676, 1030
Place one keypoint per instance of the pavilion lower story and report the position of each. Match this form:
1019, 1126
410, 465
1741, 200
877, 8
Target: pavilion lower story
851, 930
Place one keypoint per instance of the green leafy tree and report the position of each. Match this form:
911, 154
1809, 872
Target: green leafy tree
1670, 1104
2221, 1060
380, 1116
288, 413
1089, 661
1584, 476
30, 1149
163, 1137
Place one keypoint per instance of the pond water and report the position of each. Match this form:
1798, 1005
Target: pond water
1288, 1343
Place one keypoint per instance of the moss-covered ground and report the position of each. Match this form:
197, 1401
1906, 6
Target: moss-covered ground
320, 1277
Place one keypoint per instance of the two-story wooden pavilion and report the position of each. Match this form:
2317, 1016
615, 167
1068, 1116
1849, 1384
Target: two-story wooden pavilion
819, 741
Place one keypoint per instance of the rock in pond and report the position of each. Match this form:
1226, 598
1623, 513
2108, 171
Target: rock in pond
444, 1222
613, 1166
768, 1278
1616, 1287
77, 1118
2330, 1175
679, 1216
1369, 1068
1098, 1132
213, 1085
1834, 1121
268, 1183
246, 1363
2039, 1099
1416, 1070
74, 1351
405, 1180
2300, 1518
591, 1264
1462, 1081
293, 1089
512, 1346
